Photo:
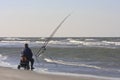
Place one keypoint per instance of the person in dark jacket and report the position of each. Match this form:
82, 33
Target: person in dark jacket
29, 55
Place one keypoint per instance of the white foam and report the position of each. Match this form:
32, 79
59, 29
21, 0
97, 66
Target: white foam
2, 61
70, 42
12, 38
2, 57
71, 63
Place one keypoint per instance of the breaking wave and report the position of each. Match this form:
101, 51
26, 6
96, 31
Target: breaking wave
61, 42
3, 62
71, 63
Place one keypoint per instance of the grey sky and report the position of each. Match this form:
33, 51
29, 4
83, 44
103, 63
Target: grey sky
38, 18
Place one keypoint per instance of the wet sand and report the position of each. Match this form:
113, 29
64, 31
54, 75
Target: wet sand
14, 74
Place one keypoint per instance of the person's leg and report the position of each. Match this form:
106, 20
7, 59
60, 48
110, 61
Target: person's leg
32, 63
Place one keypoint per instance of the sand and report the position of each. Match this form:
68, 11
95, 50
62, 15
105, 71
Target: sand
14, 74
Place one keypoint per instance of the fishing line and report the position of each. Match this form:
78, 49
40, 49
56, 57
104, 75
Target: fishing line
43, 48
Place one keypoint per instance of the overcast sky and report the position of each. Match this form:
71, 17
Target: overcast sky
38, 18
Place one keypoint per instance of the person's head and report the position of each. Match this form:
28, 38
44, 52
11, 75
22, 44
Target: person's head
26, 45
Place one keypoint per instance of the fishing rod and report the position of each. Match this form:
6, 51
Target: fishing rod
43, 48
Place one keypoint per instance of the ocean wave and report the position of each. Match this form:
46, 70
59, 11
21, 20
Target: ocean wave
3, 62
12, 39
71, 63
91, 40
15, 41
87, 42
2, 57
60, 42
12, 43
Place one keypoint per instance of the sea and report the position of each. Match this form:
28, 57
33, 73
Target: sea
95, 56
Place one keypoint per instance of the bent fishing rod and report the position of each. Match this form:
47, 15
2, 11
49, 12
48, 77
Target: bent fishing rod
43, 48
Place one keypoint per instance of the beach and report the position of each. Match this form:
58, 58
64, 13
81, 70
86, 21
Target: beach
14, 74
65, 59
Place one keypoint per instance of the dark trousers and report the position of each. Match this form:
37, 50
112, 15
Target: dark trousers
32, 62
